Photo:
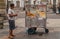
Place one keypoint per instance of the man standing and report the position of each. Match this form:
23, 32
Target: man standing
11, 19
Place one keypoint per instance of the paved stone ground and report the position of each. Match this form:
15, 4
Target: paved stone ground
53, 24
20, 31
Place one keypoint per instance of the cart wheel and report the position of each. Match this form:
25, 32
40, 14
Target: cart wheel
35, 28
31, 31
46, 31
1, 28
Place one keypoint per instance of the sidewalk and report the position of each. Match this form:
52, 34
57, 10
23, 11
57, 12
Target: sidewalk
52, 24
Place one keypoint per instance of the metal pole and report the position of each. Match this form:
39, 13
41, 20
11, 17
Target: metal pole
29, 4
7, 6
46, 6
54, 6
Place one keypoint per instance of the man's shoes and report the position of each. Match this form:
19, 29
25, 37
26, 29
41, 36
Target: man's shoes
10, 36
13, 35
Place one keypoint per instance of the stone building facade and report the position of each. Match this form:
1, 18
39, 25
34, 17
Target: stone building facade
18, 3
2, 4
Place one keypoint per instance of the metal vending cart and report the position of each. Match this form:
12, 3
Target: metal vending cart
36, 16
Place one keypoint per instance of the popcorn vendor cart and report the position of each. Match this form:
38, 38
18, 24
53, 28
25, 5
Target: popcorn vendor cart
36, 17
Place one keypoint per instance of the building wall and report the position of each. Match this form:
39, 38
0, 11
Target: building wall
2, 4
21, 4
32, 2
14, 1
51, 1
58, 0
